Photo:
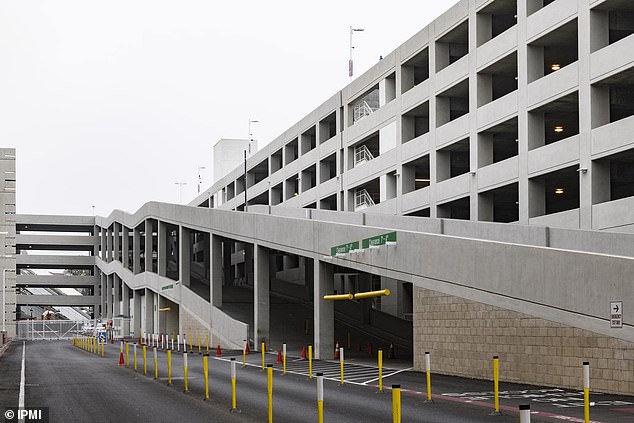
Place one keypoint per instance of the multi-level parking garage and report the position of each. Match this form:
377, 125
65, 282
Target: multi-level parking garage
494, 143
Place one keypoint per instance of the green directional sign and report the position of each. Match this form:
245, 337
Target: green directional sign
375, 241
170, 286
344, 248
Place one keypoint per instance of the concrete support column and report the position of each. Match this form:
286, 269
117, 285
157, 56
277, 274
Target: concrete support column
125, 298
185, 256
116, 242
125, 248
109, 244
162, 248
136, 313
104, 290
148, 245
136, 251
149, 312
215, 270
585, 117
109, 296
157, 320
103, 243
261, 304
226, 262
117, 295
324, 311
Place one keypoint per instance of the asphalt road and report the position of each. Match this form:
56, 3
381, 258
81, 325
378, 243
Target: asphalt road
79, 386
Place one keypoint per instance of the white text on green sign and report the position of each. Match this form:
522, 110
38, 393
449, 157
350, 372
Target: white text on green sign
345, 248
375, 241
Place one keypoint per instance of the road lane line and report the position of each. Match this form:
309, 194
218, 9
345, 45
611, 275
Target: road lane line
21, 397
388, 375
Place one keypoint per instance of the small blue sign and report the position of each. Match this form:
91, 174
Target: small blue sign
102, 337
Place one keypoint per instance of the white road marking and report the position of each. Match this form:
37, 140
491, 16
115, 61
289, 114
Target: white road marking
388, 375
21, 397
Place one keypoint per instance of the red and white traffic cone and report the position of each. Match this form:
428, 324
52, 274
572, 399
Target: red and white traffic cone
279, 357
336, 355
218, 351
304, 352
247, 350
121, 360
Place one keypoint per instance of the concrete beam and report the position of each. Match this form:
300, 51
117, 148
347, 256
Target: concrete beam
57, 281
57, 300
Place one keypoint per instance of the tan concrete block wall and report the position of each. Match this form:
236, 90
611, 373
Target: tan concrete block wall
463, 336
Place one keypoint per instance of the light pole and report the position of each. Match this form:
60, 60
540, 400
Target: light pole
350, 65
180, 184
245, 161
200, 179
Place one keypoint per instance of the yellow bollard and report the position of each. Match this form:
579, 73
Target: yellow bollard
269, 390
145, 359
233, 385
396, 403
320, 398
244, 356
127, 354
380, 370
169, 367
341, 365
496, 385
586, 391
310, 362
103, 348
199, 352
134, 357
207, 342
283, 359
155, 364
186, 382
428, 374
191, 343
206, 374
263, 351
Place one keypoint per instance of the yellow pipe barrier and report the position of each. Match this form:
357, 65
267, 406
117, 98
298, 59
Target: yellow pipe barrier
199, 352
206, 374
94, 345
396, 403
169, 367
525, 413
145, 359
269, 390
155, 364
310, 361
371, 294
341, 365
127, 354
207, 342
191, 343
284, 358
263, 351
586, 391
186, 382
134, 357
496, 385
320, 397
428, 375
233, 386
103, 348
339, 297
380, 370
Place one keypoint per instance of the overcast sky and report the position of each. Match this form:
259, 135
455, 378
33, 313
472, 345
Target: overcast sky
110, 103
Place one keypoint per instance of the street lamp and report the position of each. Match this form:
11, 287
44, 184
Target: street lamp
180, 184
200, 179
245, 161
350, 66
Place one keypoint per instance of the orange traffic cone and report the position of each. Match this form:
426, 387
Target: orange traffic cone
336, 356
304, 352
247, 350
139, 340
218, 351
279, 356
121, 360
390, 354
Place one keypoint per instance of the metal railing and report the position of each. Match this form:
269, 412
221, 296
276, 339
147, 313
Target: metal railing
362, 199
362, 154
32, 330
361, 110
